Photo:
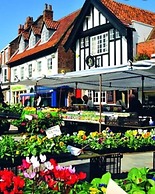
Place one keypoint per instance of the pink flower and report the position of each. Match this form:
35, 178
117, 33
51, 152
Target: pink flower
29, 175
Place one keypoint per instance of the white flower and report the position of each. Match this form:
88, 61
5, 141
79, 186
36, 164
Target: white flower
24, 137
48, 165
140, 131
35, 162
28, 160
42, 158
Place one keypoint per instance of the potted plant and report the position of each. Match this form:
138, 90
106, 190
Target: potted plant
35, 145
8, 152
43, 176
138, 181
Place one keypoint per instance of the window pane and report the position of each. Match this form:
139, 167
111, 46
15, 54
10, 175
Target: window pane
49, 63
39, 66
22, 73
30, 70
99, 44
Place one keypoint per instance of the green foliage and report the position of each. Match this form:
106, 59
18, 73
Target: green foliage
8, 146
138, 181
39, 144
142, 56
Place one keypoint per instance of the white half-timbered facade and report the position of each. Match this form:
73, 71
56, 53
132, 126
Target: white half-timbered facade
106, 33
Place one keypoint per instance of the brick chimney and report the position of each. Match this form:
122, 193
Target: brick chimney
28, 23
48, 13
20, 29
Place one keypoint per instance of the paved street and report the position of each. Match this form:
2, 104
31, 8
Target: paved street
137, 160
129, 160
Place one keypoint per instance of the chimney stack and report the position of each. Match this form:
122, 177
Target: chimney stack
28, 23
48, 13
20, 29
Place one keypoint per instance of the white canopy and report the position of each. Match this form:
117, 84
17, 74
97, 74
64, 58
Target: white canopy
132, 75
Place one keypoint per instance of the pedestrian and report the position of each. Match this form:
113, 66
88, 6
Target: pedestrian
90, 104
134, 104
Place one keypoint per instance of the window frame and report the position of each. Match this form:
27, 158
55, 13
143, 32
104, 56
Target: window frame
99, 43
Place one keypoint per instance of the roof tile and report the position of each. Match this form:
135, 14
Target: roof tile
128, 13
62, 25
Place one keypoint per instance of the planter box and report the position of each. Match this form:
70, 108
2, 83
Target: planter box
108, 163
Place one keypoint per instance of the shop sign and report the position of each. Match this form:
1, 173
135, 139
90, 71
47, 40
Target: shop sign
18, 87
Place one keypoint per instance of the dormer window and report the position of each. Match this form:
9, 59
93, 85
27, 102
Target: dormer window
22, 45
45, 34
32, 40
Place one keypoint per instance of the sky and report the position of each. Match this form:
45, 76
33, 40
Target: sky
14, 12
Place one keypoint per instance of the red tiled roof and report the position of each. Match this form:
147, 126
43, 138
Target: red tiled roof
64, 24
128, 13
51, 24
123, 12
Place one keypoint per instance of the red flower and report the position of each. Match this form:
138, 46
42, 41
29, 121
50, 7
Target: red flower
53, 162
72, 179
52, 184
18, 181
10, 184
25, 165
82, 175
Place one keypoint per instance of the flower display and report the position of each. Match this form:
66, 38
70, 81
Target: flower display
35, 145
41, 175
37, 121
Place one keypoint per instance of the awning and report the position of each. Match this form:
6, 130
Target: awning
133, 75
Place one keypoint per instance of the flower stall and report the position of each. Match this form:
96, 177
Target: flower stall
27, 148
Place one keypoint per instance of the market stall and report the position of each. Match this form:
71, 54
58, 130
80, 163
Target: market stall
139, 74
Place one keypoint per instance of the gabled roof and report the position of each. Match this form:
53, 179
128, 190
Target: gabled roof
128, 13
119, 14
61, 27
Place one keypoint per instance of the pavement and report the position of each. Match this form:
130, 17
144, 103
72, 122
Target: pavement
129, 160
